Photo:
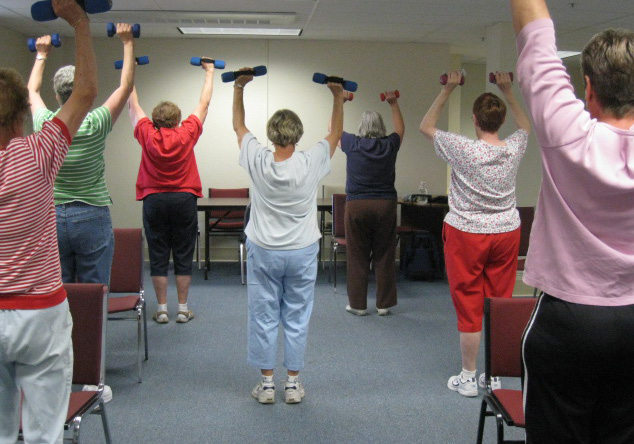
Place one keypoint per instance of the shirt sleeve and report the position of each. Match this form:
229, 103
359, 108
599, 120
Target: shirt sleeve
41, 115
192, 127
558, 115
319, 158
142, 129
448, 145
249, 151
518, 139
100, 121
50, 146
395, 140
347, 141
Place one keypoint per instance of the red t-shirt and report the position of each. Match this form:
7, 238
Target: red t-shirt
168, 163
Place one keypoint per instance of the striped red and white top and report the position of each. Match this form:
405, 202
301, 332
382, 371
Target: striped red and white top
30, 273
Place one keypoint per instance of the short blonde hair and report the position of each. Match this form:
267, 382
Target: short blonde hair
284, 128
14, 97
166, 115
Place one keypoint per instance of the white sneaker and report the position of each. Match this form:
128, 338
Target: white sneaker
466, 387
264, 392
382, 311
496, 384
355, 311
106, 395
293, 392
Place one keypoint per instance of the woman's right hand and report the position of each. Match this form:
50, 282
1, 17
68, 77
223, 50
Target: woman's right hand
244, 79
453, 79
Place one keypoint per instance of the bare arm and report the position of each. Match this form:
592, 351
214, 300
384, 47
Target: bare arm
134, 109
346, 97
119, 97
428, 124
43, 47
238, 106
336, 120
205, 96
85, 83
397, 117
526, 11
503, 81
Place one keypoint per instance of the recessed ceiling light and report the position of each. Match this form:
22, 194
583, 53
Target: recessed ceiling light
566, 54
239, 31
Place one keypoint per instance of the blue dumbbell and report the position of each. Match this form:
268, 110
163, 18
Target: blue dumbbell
111, 29
143, 60
348, 85
231, 76
197, 61
55, 40
42, 11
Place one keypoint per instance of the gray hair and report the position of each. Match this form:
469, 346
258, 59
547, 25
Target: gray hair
371, 125
284, 128
63, 82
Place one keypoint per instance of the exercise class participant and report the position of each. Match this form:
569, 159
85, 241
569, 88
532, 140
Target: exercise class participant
84, 227
169, 184
370, 217
36, 351
481, 232
282, 237
579, 347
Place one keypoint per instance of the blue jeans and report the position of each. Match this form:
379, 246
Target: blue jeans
281, 288
86, 242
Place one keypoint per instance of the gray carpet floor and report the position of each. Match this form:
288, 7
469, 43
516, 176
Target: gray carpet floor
368, 379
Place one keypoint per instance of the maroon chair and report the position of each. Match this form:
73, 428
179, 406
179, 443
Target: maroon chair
527, 214
338, 238
504, 323
87, 303
126, 278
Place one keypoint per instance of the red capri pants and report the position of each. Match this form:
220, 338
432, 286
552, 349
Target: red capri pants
479, 266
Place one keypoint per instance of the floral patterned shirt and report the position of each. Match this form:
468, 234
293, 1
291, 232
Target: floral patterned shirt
482, 189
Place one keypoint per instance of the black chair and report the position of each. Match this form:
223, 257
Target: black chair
504, 323
243, 241
338, 233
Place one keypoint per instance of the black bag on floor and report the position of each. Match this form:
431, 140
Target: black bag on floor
420, 260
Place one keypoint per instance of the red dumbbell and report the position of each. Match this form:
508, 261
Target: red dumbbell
349, 97
445, 77
492, 77
396, 93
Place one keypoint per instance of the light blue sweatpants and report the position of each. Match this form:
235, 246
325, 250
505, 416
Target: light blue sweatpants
281, 287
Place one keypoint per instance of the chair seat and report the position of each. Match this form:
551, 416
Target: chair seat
80, 403
224, 226
123, 303
520, 264
404, 229
513, 403
340, 241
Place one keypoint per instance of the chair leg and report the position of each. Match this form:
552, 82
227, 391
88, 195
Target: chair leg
500, 424
75, 430
104, 421
145, 329
198, 249
330, 264
334, 275
242, 263
483, 409
139, 331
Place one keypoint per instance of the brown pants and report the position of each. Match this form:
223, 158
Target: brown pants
371, 235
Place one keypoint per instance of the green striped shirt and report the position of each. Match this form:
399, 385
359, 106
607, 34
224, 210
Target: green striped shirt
82, 176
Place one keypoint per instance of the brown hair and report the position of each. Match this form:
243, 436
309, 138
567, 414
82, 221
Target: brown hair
166, 115
284, 128
608, 61
490, 112
14, 97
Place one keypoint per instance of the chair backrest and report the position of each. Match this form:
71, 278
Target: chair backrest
505, 321
88, 306
127, 262
338, 214
228, 216
527, 214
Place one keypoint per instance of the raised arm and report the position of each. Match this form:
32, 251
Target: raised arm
205, 96
503, 81
336, 119
119, 97
526, 11
428, 124
43, 46
397, 117
346, 97
238, 106
85, 83
134, 109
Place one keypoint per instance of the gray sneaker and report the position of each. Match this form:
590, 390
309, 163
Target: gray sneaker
264, 392
293, 392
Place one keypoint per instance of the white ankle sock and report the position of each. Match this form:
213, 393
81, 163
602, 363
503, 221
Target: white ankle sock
291, 379
466, 374
162, 307
182, 307
266, 378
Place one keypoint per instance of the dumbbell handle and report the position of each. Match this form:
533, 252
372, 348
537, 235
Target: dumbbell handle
396, 93
494, 81
111, 29
348, 85
232, 75
55, 40
143, 60
445, 77
197, 61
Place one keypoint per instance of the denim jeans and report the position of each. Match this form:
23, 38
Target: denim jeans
86, 242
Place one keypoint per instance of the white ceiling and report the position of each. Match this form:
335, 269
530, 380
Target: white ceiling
460, 23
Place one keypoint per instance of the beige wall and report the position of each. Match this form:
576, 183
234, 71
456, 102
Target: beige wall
411, 68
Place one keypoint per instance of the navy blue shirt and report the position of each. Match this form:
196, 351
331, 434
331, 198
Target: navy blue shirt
371, 166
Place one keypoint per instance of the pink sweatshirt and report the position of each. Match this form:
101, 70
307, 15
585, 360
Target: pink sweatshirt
582, 240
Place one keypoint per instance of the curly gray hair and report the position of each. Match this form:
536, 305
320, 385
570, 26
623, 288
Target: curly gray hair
63, 82
371, 125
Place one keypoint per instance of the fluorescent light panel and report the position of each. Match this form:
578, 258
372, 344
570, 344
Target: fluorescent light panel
239, 31
566, 54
